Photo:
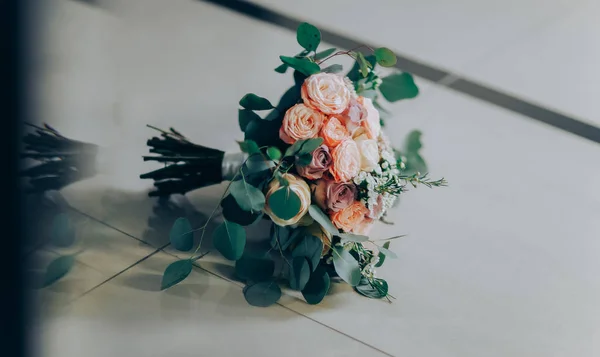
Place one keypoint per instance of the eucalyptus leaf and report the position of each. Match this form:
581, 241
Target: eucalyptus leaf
175, 273
274, 153
303, 65
254, 269
299, 273
378, 289
230, 239
310, 247
63, 231
398, 86
262, 294
248, 197
388, 253
282, 68
253, 102
334, 68
363, 64
283, 236
304, 160
318, 215
381, 255
324, 54
317, 286
249, 147
350, 237
263, 132
58, 268
346, 266
354, 74
288, 100
245, 116
309, 145
285, 203
385, 57
234, 213
181, 235
308, 36
413, 141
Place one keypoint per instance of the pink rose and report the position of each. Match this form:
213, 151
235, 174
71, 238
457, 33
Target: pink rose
346, 161
326, 92
334, 196
299, 123
354, 115
372, 124
321, 161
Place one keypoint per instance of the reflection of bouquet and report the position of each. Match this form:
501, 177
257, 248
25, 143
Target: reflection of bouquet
319, 166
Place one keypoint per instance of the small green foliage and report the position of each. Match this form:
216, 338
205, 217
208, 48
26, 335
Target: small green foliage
58, 268
253, 102
398, 86
245, 116
181, 235
385, 57
262, 294
303, 65
249, 146
317, 286
308, 36
230, 239
175, 273
274, 153
346, 266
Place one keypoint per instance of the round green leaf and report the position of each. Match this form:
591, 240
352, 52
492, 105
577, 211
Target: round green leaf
317, 287
299, 273
249, 147
381, 255
58, 268
398, 86
334, 68
230, 239
281, 68
175, 273
262, 294
255, 269
324, 54
181, 235
248, 197
245, 116
308, 36
378, 289
310, 145
283, 236
388, 253
302, 65
63, 231
319, 216
253, 102
285, 203
346, 266
385, 57
274, 153
234, 213
310, 247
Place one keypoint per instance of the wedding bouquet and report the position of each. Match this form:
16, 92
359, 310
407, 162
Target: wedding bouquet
318, 165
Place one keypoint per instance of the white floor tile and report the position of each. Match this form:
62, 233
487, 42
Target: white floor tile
203, 316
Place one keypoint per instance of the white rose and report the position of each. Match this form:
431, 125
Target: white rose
369, 153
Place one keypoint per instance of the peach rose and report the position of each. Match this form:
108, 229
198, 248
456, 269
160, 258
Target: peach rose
352, 218
300, 122
371, 123
354, 115
346, 161
334, 132
369, 153
326, 92
300, 188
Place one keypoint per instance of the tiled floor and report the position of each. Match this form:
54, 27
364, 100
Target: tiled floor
501, 263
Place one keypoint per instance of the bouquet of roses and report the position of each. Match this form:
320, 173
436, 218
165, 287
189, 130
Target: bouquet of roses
318, 166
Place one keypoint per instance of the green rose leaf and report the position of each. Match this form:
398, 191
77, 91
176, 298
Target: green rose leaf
378, 289
346, 266
381, 256
175, 273
262, 294
63, 231
385, 57
334, 68
230, 239
234, 213
319, 216
253, 102
398, 86
310, 248
324, 54
285, 203
308, 36
281, 68
317, 286
245, 116
248, 197
254, 269
350, 237
302, 65
299, 273
249, 146
58, 268
181, 235
274, 153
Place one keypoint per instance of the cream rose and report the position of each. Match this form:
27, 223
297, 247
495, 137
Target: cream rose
326, 92
369, 153
352, 218
346, 161
300, 188
334, 132
300, 122
372, 122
